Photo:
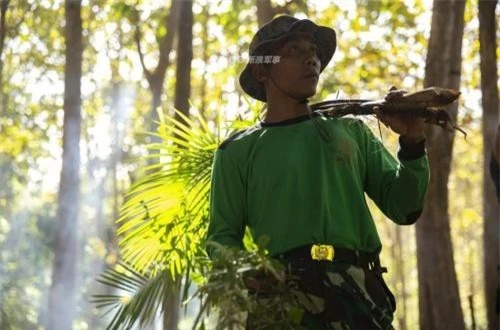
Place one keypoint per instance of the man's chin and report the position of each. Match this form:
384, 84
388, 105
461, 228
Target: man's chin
308, 94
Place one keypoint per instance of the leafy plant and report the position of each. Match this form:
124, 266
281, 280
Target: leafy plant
272, 303
140, 297
163, 222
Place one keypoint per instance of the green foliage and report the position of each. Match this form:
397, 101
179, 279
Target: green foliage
225, 290
164, 216
379, 43
163, 220
140, 297
32, 54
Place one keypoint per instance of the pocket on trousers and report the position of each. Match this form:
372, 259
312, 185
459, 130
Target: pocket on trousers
387, 291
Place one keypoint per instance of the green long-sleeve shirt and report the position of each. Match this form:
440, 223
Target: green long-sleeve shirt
285, 181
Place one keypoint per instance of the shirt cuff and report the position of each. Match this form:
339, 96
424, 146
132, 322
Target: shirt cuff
411, 151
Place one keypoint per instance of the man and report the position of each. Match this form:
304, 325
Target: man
299, 179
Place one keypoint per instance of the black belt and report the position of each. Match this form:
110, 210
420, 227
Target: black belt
315, 252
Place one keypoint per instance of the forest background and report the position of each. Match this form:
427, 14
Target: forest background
83, 83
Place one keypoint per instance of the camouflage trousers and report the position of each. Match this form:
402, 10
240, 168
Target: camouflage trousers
334, 295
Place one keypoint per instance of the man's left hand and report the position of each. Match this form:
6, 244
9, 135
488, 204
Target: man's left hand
409, 127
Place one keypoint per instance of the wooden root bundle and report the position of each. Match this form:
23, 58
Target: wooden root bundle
428, 103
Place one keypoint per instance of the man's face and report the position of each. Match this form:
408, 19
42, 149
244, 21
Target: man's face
298, 69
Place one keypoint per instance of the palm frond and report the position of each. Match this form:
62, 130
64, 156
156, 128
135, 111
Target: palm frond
163, 208
162, 222
139, 298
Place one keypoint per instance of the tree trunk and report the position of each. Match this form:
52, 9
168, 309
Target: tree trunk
181, 103
401, 278
62, 296
6, 192
156, 89
439, 300
490, 102
104, 188
171, 308
4, 5
156, 78
184, 58
265, 12
205, 44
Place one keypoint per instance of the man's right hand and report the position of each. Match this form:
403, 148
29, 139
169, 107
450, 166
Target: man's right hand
260, 281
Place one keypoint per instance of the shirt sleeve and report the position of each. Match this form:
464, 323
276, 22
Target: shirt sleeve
397, 187
227, 204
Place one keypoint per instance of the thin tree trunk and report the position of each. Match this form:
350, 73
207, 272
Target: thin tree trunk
101, 187
4, 5
156, 78
6, 192
171, 308
156, 89
439, 300
490, 103
184, 58
205, 46
400, 274
472, 312
265, 12
181, 103
62, 300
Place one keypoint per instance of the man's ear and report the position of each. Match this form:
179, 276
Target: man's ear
260, 72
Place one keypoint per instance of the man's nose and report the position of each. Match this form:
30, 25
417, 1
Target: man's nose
312, 60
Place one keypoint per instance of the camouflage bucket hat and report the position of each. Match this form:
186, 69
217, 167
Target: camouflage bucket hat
277, 29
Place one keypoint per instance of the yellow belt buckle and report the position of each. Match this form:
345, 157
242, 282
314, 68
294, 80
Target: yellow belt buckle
322, 252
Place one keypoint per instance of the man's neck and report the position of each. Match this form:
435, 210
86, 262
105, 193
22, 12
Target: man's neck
283, 109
